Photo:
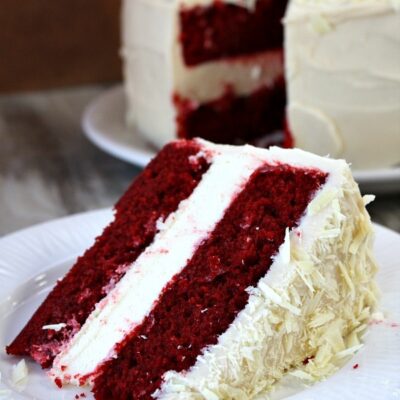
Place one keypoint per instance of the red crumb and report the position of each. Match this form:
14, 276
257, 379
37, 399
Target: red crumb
355, 366
58, 382
83, 379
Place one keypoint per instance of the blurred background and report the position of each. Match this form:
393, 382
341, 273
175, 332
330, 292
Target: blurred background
51, 44
55, 57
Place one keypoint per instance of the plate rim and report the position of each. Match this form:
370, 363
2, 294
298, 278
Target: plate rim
140, 157
99, 220
104, 141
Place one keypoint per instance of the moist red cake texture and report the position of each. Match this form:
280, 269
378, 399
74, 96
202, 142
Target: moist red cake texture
233, 119
200, 303
169, 179
225, 30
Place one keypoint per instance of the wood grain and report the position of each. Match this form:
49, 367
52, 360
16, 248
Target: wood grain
47, 43
48, 168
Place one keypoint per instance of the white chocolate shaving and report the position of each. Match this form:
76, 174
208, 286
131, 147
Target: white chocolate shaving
368, 198
315, 309
301, 375
55, 327
349, 351
378, 316
19, 373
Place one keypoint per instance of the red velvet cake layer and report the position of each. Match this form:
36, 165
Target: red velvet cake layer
224, 30
204, 299
157, 192
231, 119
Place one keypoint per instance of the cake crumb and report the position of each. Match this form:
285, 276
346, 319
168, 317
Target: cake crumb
58, 382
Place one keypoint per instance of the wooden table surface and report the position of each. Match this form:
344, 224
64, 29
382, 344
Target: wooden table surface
48, 169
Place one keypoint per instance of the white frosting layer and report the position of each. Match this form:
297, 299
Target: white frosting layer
154, 68
133, 297
313, 302
243, 75
343, 76
249, 4
148, 33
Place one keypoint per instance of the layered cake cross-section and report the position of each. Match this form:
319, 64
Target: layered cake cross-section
210, 69
225, 268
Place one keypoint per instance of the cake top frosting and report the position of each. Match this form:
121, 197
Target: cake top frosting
348, 3
339, 9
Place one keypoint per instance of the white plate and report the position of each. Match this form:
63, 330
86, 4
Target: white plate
33, 259
104, 124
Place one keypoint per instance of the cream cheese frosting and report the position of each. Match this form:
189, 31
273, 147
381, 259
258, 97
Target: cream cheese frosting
133, 297
313, 303
343, 78
315, 299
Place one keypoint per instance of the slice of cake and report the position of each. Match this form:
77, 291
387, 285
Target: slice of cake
343, 79
225, 268
204, 68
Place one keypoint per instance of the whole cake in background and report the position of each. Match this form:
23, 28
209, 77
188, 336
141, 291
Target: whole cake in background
343, 79
224, 269
214, 69
204, 69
